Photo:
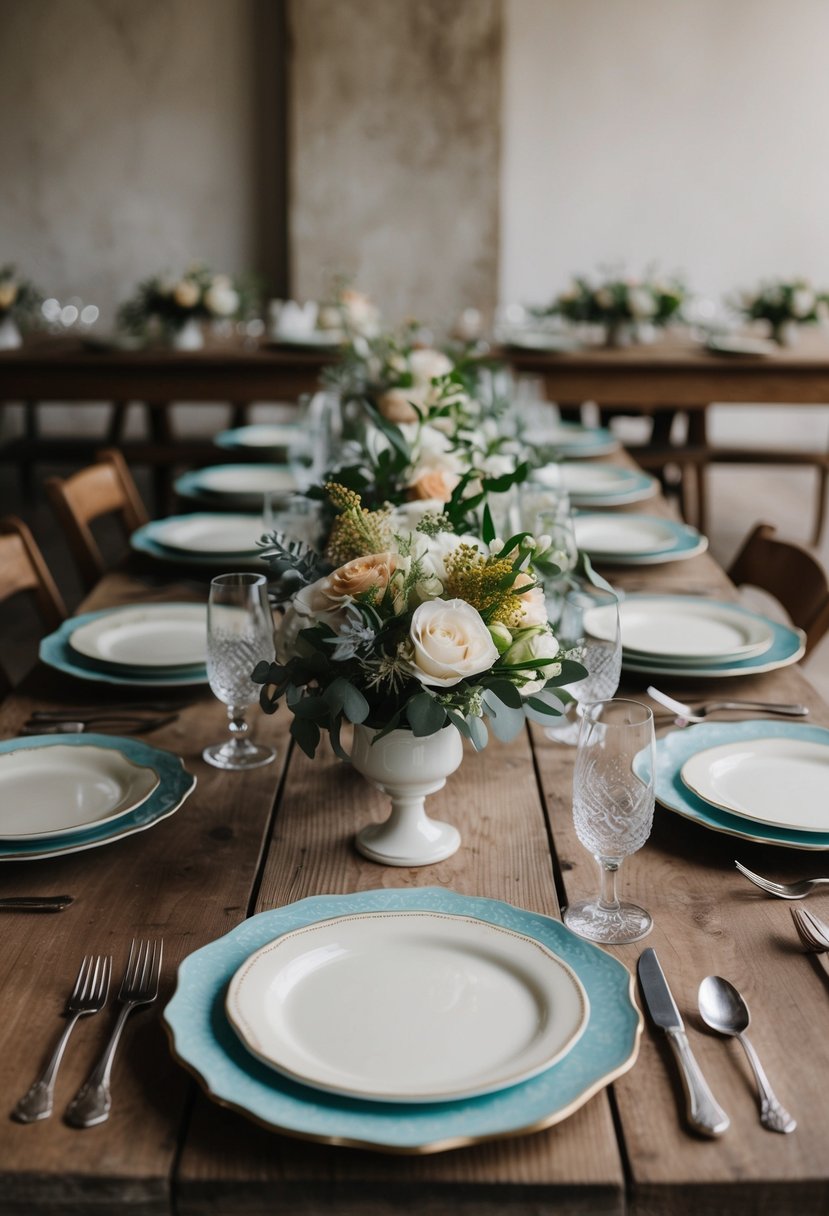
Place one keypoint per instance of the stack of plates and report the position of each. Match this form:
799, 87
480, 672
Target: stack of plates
409, 1020
238, 487
636, 540
601, 485
688, 636
144, 646
261, 439
759, 780
77, 792
575, 441
221, 540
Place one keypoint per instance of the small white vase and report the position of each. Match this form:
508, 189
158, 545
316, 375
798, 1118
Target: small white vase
10, 337
407, 769
188, 336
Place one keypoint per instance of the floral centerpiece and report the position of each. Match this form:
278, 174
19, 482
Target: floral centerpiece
785, 304
349, 312
176, 306
19, 304
625, 306
410, 633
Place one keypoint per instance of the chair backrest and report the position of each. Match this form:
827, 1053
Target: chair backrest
791, 574
22, 568
104, 488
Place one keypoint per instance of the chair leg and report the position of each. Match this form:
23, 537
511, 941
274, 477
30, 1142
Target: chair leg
117, 423
820, 509
239, 413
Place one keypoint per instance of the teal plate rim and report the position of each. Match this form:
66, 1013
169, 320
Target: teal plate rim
688, 542
174, 787
673, 749
203, 1042
56, 652
788, 646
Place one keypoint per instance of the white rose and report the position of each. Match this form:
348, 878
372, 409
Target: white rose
529, 646
641, 302
450, 642
603, 297
533, 608
186, 293
396, 404
425, 365
803, 301
221, 299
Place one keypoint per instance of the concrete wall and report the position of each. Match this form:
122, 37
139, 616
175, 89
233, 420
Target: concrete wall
395, 138
692, 132
128, 141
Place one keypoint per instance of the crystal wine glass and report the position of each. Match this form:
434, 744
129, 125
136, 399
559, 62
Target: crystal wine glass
239, 634
589, 624
613, 796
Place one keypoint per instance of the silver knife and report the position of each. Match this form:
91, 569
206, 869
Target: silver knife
704, 1113
35, 903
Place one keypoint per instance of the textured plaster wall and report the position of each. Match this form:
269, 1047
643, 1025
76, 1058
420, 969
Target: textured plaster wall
128, 142
395, 138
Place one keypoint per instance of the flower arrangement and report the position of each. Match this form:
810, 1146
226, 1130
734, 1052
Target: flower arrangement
350, 312
785, 303
171, 303
617, 300
19, 298
411, 628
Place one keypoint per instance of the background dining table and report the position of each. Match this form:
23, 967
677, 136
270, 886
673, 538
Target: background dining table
245, 842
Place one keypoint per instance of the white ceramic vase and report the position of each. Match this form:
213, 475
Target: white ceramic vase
10, 337
787, 333
408, 769
188, 336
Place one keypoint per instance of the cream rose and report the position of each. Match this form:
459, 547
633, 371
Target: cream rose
533, 609
433, 483
8, 294
221, 298
427, 364
450, 642
528, 646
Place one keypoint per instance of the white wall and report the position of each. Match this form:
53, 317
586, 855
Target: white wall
689, 131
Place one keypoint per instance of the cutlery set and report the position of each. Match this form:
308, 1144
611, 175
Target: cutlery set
135, 718
723, 1009
139, 986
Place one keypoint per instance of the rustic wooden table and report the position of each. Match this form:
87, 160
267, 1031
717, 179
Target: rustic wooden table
247, 842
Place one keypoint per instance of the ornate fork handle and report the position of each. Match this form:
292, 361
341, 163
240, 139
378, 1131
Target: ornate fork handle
93, 1101
38, 1100
772, 1115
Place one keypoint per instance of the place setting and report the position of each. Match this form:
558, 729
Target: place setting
237, 487
635, 540
599, 484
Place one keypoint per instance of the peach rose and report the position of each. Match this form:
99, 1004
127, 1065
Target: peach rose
434, 483
361, 575
395, 404
534, 611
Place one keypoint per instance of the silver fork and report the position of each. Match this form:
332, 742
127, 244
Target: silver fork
88, 996
812, 931
688, 714
139, 986
783, 890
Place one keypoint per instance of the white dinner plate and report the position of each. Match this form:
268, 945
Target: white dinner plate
62, 789
407, 1006
259, 435
756, 347
627, 535
208, 533
246, 479
684, 629
148, 636
780, 782
602, 485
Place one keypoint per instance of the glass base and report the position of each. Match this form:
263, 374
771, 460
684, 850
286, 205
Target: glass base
565, 730
238, 754
627, 923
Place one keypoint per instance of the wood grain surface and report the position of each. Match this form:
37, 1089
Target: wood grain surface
243, 843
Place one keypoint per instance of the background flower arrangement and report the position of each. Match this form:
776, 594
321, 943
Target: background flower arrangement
167, 305
785, 304
416, 628
20, 303
617, 301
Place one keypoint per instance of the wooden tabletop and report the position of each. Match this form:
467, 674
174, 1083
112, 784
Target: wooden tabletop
246, 842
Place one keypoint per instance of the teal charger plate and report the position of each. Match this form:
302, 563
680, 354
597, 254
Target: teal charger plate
687, 542
56, 652
578, 441
673, 749
143, 541
174, 786
203, 1041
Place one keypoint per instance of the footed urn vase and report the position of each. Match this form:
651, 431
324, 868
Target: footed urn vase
408, 769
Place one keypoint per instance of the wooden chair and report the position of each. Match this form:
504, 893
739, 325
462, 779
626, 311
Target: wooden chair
104, 488
22, 568
791, 574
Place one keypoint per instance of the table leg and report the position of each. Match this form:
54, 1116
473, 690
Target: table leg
698, 438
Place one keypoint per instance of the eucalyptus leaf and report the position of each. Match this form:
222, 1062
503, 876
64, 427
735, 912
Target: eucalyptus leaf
306, 734
426, 715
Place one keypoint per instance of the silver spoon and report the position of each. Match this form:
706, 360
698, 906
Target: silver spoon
724, 1010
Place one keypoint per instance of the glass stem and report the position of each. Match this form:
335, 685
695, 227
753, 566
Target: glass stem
608, 899
237, 725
